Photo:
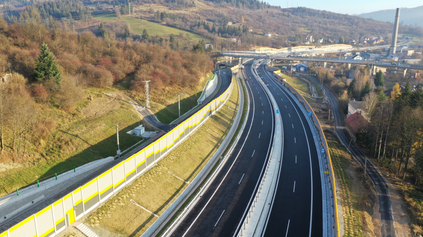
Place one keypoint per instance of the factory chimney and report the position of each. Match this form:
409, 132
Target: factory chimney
393, 48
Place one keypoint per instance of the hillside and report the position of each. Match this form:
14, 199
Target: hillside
408, 16
51, 122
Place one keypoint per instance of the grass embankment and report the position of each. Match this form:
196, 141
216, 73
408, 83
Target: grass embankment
86, 135
357, 196
158, 188
299, 85
168, 112
138, 25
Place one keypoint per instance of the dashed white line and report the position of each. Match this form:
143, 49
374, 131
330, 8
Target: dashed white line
253, 153
292, 125
259, 135
219, 218
241, 178
295, 139
281, 99
293, 190
262, 112
287, 228
286, 107
277, 93
261, 104
295, 159
289, 115
261, 122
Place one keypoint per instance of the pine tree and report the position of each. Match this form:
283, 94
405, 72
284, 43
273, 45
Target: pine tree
145, 35
46, 67
102, 30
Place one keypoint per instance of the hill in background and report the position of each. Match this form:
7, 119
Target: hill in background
408, 16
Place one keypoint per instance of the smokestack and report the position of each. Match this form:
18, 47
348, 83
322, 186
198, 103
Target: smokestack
395, 34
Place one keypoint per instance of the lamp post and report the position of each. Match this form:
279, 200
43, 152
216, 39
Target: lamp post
117, 137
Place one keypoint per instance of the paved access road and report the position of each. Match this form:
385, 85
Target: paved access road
297, 209
385, 208
221, 208
224, 77
72, 184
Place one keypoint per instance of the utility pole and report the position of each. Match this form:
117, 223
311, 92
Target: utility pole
147, 95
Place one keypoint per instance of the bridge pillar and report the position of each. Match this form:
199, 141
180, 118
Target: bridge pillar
271, 62
230, 60
239, 63
373, 70
324, 65
405, 72
349, 66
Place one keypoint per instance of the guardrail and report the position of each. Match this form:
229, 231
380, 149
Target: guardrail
323, 144
258, 212
71, 207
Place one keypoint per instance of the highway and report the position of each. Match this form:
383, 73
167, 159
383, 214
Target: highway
65, 188
385, 209
221, 208
297, 208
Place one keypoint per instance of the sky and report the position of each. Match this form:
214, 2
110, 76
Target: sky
350, 7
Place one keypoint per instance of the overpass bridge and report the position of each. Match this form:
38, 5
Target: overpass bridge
373, 64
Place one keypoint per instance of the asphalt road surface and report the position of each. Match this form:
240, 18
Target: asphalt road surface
221, 208
297, 209
225, 81
385, 208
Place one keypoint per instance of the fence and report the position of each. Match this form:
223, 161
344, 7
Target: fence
62, 213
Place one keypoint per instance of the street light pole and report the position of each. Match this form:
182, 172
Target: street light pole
117, 138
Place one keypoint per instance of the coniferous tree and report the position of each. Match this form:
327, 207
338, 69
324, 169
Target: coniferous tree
46, 67
102, 30
145, 35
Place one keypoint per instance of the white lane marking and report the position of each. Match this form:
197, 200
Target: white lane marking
292, 125
261, 122
260, 97
277, 93
262, 112
293, 190
281, 99
287, 228
286, 107
295, 159
253, 153
261, 104
241, 178
219, 218
295, 139
289, 115
311, 168
259, 135
230, 168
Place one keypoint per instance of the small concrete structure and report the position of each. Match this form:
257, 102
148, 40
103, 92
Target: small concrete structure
138, 131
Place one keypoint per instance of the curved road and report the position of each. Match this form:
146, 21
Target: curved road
385, 208
297, 209
221, 208
225, 82
224, 79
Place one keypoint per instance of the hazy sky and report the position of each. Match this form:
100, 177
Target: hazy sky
348, 6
